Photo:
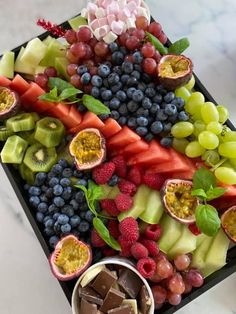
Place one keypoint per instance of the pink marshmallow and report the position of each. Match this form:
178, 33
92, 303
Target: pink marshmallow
113, 8
121, 4
91, 17
104, 30
122, 17
99, 3
131, 6
126, 12
92, 7
117, 27
111, 18
106, 3
103, 22
94, 24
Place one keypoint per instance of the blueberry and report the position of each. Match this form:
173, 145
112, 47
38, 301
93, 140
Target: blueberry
85, 78
34, 201
50, 175
173, 118
79, 196
65, 182
89, 216
103, 116
146, 103
132, 81
156, 127
106, 83
66, 228
67, 173
132, 106
63, 163
108, 63
113, 181
83, 226
117, 58
82, 214
74, 204
49, 193
39, 217
82, 69
141, 86
43, 198
42, 207
180, 103
169, 97
114, 103
34, 191
49, 223
161, 115
77, 174
183, 116
154, 108
103, 70
166, 141
68, 210
142, 121
137, 95
142, 112
117, 69
138, 67
46, 218
157, 98
151, 85
127, 67
122, 121
132, 123
149, 137
138, 57
170, 109
74, 221
49, 232
123, 50
96, 81
136, 74
167, 126
52, 209
150, 92
124, 78
57, 169
57, 227
44, 188
82, 182
63, 219
59, 201
95, 92
115, 88
130, 92
123, 110
40, 178
81, 108
106, 94
57, 189
54, 181
115, 114
142, 130
53, 241
56, 215
146, 78
113, 79
67, 193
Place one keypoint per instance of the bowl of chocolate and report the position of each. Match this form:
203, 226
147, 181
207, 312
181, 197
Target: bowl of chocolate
112, 286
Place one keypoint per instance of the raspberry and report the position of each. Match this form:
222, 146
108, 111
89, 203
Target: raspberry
113, 227
151, 246
146, 266
129, 229
135, 175
125, 246
120, 166
139, 251
96, 240
153, 232
153, 180
110, 207
103, 173
127, 187
123, 202
107, 251
194, 229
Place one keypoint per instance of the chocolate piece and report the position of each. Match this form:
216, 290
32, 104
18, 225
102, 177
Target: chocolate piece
90, 295
112, 300
86, 307
130, 283
124, 309
103, 282
144, 300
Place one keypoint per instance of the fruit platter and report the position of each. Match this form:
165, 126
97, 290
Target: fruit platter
117, 152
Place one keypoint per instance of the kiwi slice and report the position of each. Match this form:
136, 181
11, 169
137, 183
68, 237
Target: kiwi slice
21, 122
63, 153
49, 131
39, 158
5, 133
28, 136
35, 116
13, 150
26, 174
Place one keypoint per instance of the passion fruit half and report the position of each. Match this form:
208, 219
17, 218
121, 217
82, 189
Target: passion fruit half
174, 71
70, 258
178, 201
228, 222
88, 148
9, 103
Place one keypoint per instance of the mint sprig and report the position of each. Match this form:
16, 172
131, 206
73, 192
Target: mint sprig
94, 105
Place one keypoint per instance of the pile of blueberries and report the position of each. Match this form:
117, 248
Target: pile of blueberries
132, 96
59, 207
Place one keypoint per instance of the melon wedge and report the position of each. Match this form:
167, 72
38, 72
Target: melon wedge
61, 64
23, 67
7, 64
77, 21
34, 52
54, 49
154, 208
199, 255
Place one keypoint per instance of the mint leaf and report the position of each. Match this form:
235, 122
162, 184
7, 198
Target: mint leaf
207, 219
59, 83
179, 46
203, 179
157, 44
48, 97
53, 92
213, 193
96, 190
69, 92
199, 193
94, 105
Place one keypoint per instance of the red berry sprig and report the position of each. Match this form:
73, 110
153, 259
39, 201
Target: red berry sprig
54, 29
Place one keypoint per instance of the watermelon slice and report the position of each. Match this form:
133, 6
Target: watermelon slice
73, 118
110, 128
185, 175
4, 81
42, 106
19, 84
90, 120
125, 137
136, 147
31, 95
58, 110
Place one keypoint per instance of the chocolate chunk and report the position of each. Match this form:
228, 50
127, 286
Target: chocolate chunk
113, 299
103, 282
130, 283
144, 300
86, 307
124, 309
90, 295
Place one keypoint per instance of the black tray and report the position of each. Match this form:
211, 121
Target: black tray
17, 184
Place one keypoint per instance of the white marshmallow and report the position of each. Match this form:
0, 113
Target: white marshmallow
100, 12
142, 12
130, 23
97, 34
84, 13
110, 37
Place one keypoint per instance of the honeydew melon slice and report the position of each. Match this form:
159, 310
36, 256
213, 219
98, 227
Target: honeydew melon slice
39, 69
61, 65
171, 232
54, 49
34, 52
21, 66
7, 64
47, 40
199, 255
154, 208
77, 21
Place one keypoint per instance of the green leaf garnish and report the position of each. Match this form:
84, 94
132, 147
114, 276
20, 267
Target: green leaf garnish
94, 105
68, 93
157, 44
215, 193
203, 179
59, 83
207, 219
179, 46
199, 193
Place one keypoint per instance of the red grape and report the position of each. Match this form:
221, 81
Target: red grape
71, 57
164, 268
101, 49
158, 306
129, 58
122, 38
148, 50
93, 70
132, 43
75, 80
149, 65
70, 36
195, 278
159, 294
173, 298
92, 42
182, 262
157, 56
87, 88
50, 72
155, 29
188, 287
89, 52
98, 59
131, 30
160, 256
156, 278
71, 69
84, 34
78, 49
140, 33
41, 79
176, 284
162, 37
89, 63
141, 22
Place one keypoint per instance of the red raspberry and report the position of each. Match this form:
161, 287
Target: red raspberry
139, 251
194, 229
151, 246
135, 175
107, 251
103, 173
153, 232
110, 207
153, 180
129, 229
125, 246
123, 202
96, 240
120, 166
146, 266
127, 187
113, 227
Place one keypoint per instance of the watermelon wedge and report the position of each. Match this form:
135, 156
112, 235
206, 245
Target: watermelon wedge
90, 120
41, 106
125, 137
4, 81
110, 128
31, 95
136, 147
19, 85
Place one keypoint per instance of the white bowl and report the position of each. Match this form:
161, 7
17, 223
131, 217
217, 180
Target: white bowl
110, 260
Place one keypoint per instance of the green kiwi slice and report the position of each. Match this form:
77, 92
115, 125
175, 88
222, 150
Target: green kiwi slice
28, 136
13, 150
26, 174
21, 122
5, 133
63, 153
49, 132
39, 158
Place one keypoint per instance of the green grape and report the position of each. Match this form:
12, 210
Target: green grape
182, 129
209, 112
215, 127
208, 140
194, 149
233, 162
229, 136
190, 83
226, 175
223, 113
228, 149
183, 93
199, 126
194, 103
211, 157
179, 144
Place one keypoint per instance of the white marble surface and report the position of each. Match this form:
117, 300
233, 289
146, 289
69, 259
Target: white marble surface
26, 285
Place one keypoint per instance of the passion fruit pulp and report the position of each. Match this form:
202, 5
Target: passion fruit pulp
228, 222
9, 103
88, 148
174, 71
70, 258
178, 201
